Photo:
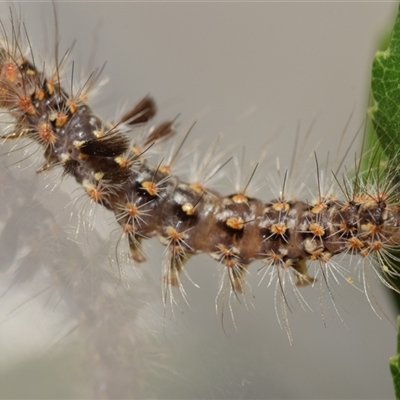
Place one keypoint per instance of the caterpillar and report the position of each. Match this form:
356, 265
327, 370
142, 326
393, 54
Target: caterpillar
135, 159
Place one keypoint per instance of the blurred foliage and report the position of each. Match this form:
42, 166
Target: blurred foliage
383, 135
395, 364
385, 84
382, 140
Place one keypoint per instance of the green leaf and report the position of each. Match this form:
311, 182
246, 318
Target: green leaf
385, 112
395, 365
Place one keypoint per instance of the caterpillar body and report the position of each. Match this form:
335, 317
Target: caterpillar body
189, 218
360, 217
148, 201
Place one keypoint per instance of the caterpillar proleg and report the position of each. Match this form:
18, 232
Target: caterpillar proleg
300, 67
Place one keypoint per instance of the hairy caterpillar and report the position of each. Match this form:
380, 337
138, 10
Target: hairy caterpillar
240, 386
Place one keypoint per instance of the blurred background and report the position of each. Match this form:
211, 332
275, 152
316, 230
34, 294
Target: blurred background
256, 73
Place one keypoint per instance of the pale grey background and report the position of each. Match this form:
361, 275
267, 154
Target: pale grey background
216, 62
